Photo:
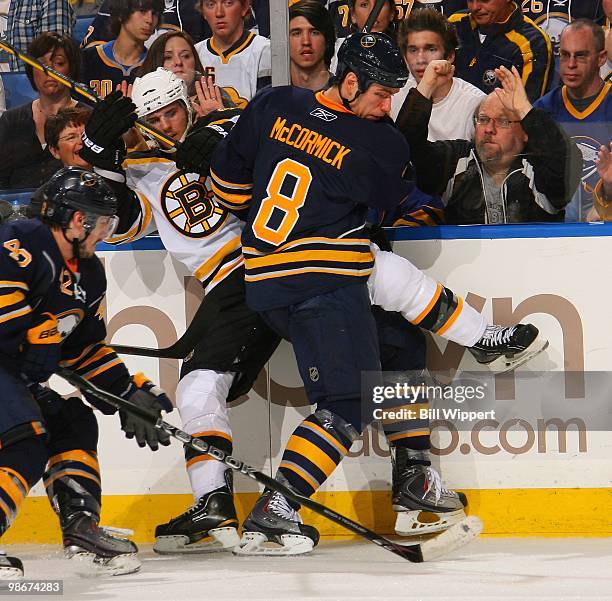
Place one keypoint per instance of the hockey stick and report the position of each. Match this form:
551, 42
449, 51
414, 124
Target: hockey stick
453, 538
373, 15
181, 348
81, 89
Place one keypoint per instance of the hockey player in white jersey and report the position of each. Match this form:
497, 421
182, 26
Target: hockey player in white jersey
178, 203
239, 60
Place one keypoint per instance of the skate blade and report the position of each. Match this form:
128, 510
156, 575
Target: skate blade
7, 573
220, 539
254, 543
503, 364
89, 565
420, 523
452, 539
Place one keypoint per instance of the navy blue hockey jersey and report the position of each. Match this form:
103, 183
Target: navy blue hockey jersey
35, 281
306, 169
101, 71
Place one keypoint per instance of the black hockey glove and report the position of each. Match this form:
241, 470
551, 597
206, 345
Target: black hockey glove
148, 396
110, 119
41, 352
194, 154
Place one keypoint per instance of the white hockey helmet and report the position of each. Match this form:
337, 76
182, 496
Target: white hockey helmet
157, 90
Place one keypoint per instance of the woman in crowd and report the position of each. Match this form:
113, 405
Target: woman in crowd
25, 161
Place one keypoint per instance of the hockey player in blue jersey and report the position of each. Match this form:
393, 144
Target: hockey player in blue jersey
303, 168
51, 297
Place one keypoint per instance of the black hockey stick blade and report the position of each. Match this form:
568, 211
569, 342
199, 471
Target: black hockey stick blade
178, 350
453, 538
183, 346
373, 15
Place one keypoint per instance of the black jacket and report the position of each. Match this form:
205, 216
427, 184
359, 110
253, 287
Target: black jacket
539, 184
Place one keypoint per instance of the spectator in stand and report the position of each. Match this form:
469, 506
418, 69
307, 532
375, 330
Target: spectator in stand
64, 136
25, 161
494, 33
340, 11
552, 17
239, 60
106, 66
178, 15
426, 35
603, 190
583, 106
359, 11
520, 167
27, 19
311, 44
175, 51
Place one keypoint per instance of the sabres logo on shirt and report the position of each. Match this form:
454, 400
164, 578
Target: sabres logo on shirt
589, 148
190, 206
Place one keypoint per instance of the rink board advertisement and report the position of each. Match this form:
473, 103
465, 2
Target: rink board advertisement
537, 475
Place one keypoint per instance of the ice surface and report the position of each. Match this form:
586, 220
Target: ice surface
493, 569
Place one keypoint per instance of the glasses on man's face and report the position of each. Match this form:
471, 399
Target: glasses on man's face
579, 57
499, 122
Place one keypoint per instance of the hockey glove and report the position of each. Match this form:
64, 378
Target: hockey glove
110, 119
41, 353
148, 396
195, 153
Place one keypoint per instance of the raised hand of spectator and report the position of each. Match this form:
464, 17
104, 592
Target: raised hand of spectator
512, 94
604, 168
208, 97
436, 74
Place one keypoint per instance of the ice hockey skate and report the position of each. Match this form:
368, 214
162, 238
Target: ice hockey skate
98, 549
10, 567
503, 349
274, 528
422, 504
210, 525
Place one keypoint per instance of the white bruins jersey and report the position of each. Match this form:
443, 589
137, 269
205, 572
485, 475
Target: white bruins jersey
242, 69
194, 229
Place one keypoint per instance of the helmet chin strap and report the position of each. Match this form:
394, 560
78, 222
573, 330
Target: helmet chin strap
76, 244
345, 101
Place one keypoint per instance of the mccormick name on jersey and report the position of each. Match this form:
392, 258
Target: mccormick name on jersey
309, 141
302, 171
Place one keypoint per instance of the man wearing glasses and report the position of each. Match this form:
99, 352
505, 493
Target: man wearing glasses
583, 107
519, 167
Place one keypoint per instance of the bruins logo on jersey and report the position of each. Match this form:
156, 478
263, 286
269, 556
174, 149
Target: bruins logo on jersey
190, 206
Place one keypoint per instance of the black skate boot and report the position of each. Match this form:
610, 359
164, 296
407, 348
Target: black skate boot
210, 525
422, 504
98, 550
11, 568
503, 349
273, 520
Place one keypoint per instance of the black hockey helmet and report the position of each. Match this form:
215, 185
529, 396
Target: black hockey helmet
74, 189
374, 58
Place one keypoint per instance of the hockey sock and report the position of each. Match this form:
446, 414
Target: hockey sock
201, 399
314, 450
448, 316
205, 472
21, 466
73, 485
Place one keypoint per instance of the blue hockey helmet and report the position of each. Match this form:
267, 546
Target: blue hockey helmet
374, 58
